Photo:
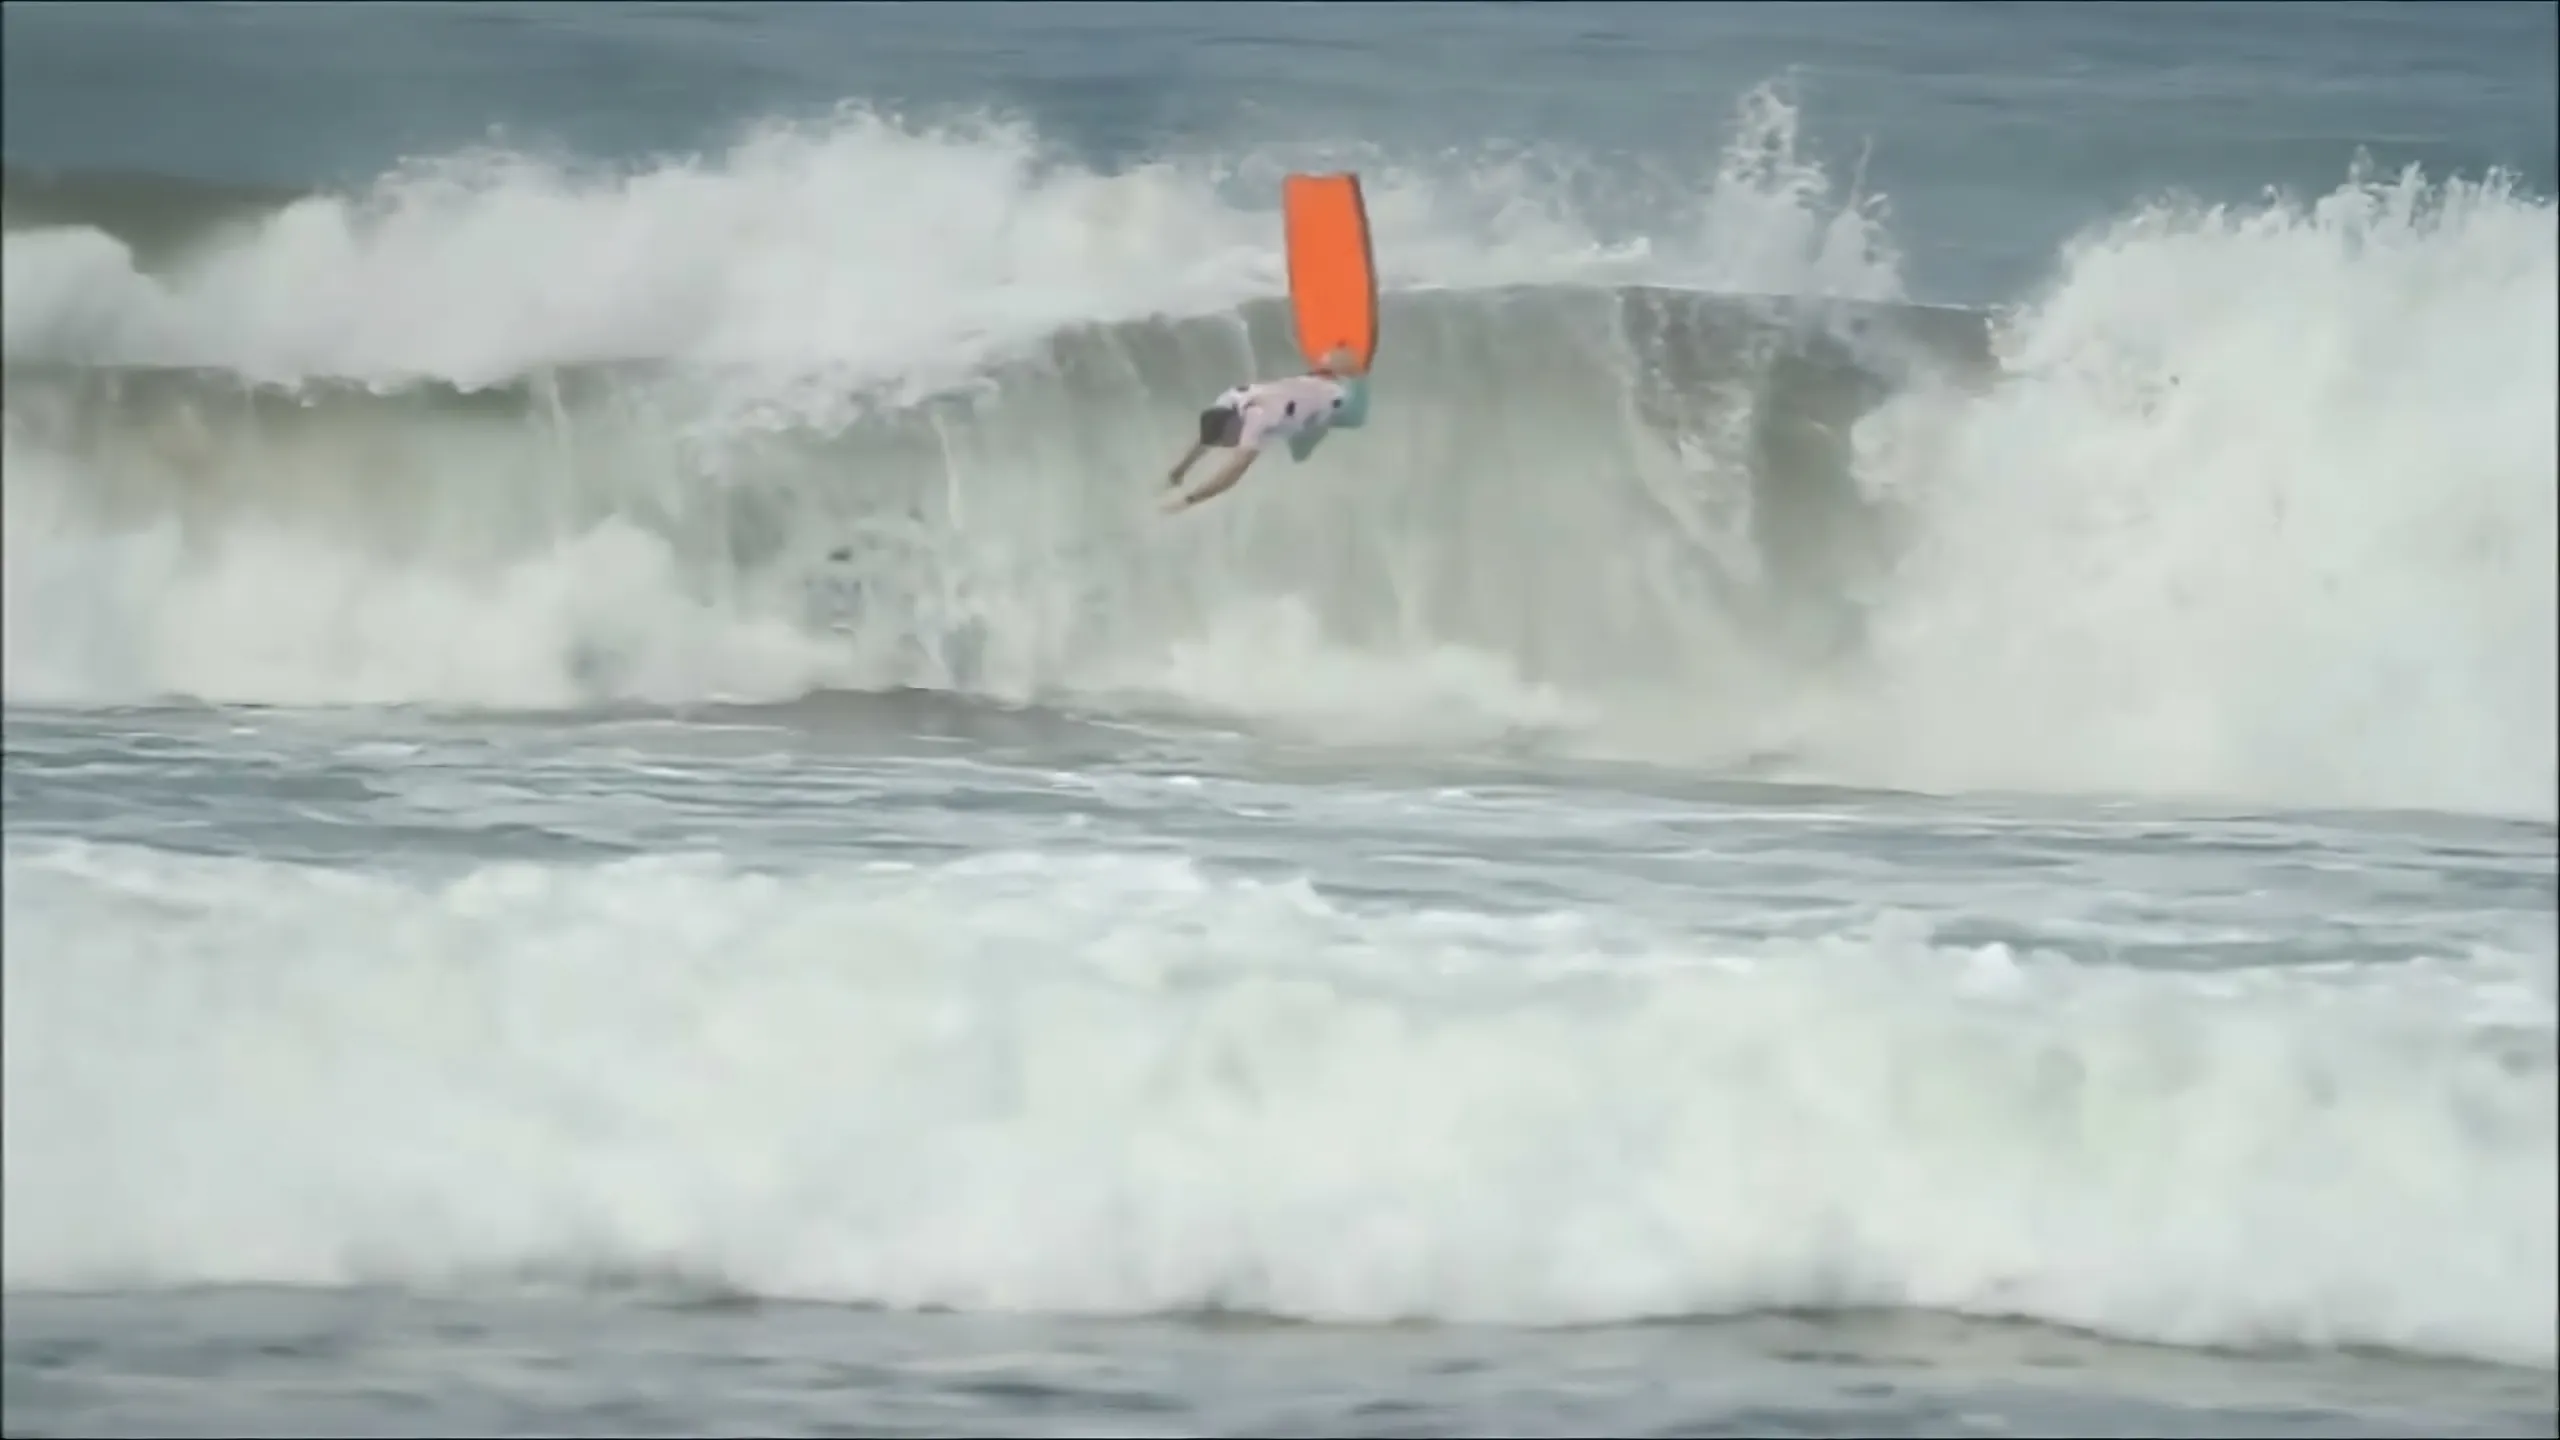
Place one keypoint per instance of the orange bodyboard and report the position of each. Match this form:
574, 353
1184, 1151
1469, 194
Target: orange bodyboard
1333, 283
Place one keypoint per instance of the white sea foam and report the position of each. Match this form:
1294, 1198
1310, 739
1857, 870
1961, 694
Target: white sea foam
1119, 1084
2252, 514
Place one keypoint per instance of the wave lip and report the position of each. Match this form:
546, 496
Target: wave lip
157, 219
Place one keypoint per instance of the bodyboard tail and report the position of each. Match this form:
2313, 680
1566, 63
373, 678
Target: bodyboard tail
1333, 279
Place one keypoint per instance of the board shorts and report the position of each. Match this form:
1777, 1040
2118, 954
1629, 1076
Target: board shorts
1249, 417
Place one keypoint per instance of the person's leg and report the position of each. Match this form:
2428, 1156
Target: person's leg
1220, 483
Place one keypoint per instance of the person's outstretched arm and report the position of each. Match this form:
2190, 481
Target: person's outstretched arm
1219, 484
1183, 466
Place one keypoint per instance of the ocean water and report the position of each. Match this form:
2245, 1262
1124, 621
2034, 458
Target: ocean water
1906, 786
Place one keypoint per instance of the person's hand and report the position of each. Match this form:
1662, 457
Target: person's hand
1175, 503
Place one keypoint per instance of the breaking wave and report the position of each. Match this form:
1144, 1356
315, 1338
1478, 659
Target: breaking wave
1021, 1081
2244, 502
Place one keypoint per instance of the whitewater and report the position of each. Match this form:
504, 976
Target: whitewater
626, 733
2243, 507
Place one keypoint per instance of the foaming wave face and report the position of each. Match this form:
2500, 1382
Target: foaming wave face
775, 303
1028, 1082
2263, 506
2246, 516
263, 615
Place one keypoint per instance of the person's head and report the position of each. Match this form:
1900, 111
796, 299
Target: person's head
1339, 361
1221, 426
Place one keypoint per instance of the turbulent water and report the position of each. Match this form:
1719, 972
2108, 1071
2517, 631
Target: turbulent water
607, 757
1647, 520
